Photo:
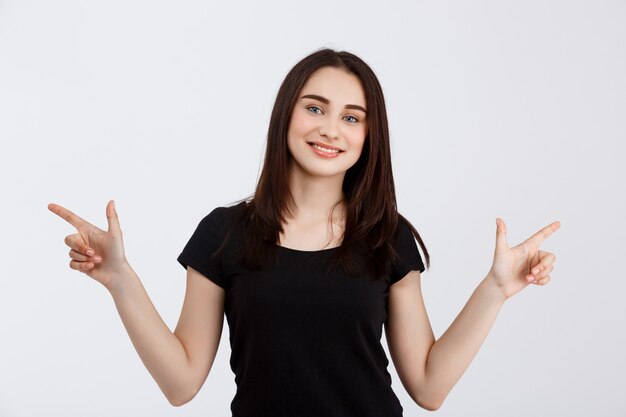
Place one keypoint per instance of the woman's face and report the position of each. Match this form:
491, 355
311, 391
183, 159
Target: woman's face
331, 113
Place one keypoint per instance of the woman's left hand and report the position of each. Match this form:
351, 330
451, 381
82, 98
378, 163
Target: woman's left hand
515, 268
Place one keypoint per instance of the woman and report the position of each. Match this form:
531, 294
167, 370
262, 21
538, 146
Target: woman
309, 268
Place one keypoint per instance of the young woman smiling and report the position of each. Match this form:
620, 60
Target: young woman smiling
309, 268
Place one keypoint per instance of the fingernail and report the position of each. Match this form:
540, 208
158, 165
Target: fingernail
536, 271
90, 252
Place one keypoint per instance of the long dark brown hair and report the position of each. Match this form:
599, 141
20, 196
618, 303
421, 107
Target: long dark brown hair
371, 216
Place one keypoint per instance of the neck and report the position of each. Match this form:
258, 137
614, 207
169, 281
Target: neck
315, 197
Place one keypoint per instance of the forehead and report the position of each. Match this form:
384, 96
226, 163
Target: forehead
335, 84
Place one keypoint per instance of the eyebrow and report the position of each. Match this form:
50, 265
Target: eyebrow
326, 101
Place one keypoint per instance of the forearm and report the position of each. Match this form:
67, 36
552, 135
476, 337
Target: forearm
160, 350
452, 353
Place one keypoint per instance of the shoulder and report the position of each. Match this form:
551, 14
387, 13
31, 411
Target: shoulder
223, 216
403, 232
403, 240
218, 222
408, 256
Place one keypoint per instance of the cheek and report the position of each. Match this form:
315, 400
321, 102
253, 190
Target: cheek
299, 123
297, 131
357, 140
359, 144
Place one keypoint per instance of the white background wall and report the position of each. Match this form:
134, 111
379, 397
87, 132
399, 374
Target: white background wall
497, 109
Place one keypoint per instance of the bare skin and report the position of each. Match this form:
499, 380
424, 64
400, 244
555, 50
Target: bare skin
179, 361
429, 368
314, 180
90, 244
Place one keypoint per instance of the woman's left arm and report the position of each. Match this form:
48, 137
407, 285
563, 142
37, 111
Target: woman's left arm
429, 372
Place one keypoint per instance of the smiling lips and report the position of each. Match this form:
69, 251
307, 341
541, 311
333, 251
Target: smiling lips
325, 150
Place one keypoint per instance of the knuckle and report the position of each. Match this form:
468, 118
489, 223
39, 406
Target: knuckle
70, 240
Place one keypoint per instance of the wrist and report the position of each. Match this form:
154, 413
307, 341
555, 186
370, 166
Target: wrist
120, 278
493, 289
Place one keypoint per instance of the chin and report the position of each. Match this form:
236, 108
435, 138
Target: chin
313, 170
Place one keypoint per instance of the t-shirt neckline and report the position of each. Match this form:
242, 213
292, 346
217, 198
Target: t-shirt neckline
306, 251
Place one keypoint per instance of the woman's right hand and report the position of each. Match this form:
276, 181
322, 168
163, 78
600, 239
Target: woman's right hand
97, 253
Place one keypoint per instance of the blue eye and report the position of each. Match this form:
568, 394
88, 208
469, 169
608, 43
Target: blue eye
315, 107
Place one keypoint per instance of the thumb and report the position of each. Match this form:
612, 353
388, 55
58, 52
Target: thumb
501, 243
114, 223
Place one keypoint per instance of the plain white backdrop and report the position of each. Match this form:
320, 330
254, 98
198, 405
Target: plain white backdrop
497, 109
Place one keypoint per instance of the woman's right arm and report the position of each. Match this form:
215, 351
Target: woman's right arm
179, 362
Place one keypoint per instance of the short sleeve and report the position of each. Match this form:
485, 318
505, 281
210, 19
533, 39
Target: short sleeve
199, 252
409, 258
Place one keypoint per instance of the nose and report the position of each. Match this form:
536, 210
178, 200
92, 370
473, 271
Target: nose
329, 129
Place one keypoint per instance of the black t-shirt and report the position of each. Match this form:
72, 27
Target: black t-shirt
303, 342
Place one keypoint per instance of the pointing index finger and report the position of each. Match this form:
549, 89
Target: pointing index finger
543, 234
67, 215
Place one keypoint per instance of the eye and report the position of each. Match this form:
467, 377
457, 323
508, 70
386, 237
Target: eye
355, 119
313, 107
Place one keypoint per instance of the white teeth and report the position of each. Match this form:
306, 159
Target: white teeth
324, 149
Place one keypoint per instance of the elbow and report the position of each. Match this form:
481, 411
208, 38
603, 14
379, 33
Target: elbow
430, 404
178, 400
